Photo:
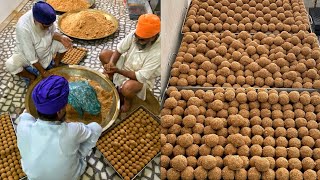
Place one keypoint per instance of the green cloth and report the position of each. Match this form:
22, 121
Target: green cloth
83, 98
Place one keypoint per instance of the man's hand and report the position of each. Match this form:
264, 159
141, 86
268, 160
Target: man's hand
110, 69
66, 41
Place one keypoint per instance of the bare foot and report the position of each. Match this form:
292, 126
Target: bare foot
126, 106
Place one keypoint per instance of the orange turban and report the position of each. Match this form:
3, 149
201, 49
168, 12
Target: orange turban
148, 26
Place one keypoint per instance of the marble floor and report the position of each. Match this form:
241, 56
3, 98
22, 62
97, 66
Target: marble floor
13, 88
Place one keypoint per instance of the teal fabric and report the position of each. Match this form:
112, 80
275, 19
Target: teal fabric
83, 98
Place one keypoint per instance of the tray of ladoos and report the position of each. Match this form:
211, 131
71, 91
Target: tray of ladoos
129, 145
74, 55
10, 165
185, 18
165, 95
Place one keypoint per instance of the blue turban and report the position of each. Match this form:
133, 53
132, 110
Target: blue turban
43, 13
51, 94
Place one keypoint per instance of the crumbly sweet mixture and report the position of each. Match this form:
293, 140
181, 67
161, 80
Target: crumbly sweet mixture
87, 24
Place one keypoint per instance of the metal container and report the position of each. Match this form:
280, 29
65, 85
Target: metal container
194, 88
84, 72
156, 118
108, 16
91, 3
15, 130
71, 52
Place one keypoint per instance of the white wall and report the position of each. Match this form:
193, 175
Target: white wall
7, 7
172, 16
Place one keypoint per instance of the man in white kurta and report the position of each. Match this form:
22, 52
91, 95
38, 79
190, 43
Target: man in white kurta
53, 150
135, 63
37, 43
50, 148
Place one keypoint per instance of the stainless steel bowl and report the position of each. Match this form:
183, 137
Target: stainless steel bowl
84, 72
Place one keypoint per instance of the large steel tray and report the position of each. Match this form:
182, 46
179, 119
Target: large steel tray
91, 3
108, 16
156, 118
87, 73
15, 130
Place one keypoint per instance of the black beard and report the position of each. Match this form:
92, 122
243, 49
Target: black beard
140, 46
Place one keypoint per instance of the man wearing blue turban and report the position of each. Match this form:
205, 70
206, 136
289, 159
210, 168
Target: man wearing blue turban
50, 148
37, 43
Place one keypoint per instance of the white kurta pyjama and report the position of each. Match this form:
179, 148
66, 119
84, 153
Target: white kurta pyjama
54, 150
145, 63
32, 45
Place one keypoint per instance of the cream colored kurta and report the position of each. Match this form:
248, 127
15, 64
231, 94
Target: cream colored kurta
145, 63
33, 45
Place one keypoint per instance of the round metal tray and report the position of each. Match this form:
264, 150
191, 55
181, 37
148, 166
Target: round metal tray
91, 2
108, 16
84, 72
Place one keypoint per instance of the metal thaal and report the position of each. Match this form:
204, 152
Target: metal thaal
87, 73
108, 16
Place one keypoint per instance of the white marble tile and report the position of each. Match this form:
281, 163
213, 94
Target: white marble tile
91, 161
157, 160
16, 104
85, 177
89, 171
150, 165
10, 84
97, 177
97, 154
99, 165
156, 177
104, 175
5, 108
2, 100
110, 171
147, 172
157, 169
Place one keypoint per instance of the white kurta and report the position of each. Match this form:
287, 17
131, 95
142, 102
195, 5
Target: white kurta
145, 63
54, 150
32, 45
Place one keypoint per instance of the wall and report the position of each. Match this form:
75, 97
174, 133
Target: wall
172, 16
7, 7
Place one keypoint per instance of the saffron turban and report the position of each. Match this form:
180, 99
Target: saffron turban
148, 26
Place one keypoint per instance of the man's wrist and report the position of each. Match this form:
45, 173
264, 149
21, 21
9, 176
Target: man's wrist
43, 73
58, 36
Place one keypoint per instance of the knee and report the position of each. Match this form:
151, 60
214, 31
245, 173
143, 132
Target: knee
131, 88
105, 55
13, 67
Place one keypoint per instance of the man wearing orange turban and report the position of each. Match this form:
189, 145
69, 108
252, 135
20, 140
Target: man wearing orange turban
135, 64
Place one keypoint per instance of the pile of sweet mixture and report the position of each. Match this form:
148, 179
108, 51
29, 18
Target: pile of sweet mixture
104, 97
87, 24
69, 5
